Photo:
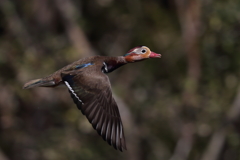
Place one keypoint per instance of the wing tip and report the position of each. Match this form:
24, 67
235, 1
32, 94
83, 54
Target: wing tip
122, 147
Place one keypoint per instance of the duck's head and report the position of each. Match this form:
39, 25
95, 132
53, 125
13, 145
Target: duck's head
140, 53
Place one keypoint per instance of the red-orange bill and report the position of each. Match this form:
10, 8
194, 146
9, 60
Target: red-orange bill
155, 55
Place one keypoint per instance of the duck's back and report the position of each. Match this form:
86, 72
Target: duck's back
55, 78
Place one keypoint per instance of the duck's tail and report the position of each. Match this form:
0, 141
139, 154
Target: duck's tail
39, 83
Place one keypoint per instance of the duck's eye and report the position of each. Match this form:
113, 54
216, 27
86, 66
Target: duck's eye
143, 51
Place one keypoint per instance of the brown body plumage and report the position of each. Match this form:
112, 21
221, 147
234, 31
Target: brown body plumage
90, 90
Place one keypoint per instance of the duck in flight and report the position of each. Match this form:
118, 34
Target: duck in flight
90, 90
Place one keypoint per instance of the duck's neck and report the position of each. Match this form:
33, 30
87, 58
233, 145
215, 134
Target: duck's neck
113, 63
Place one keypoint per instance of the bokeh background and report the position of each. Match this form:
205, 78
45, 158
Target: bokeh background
184, 106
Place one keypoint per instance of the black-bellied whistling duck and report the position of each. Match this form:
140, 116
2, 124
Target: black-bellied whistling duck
90, 90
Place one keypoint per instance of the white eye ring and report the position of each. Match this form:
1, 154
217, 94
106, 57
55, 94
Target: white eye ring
143, 50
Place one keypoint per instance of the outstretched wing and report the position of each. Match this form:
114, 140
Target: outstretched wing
91, 92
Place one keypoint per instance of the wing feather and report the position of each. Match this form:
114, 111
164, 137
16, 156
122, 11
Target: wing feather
92, 95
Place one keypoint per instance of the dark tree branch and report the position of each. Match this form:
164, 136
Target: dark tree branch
70, 17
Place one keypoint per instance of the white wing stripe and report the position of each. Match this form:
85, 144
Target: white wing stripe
105, 69
70, 88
